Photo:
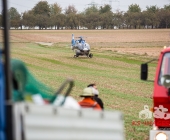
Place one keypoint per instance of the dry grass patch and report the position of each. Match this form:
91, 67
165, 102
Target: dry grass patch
93, 36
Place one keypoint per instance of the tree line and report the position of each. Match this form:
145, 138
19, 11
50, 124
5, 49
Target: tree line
50, 16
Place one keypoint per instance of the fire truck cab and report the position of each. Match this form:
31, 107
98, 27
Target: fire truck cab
161, 96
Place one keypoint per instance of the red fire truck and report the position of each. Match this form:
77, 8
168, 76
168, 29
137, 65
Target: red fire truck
161, 96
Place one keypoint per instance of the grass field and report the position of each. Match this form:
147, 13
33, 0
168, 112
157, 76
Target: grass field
115, 66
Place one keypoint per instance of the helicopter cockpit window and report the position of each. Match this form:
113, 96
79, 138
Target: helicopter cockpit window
165, 68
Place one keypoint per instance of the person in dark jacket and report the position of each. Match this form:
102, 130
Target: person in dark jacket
96, 94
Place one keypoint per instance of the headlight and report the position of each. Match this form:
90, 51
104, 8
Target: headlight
155, 127
161, 136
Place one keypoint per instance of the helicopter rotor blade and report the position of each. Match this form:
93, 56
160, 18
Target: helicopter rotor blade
80, 37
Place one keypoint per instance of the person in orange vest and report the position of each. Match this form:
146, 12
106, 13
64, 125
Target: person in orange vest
96, 95
88, 101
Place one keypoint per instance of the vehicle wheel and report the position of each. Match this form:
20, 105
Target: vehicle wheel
90, 55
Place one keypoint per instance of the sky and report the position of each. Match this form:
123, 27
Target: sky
80, 5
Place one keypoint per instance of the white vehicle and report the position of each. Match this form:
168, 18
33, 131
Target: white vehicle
57, 123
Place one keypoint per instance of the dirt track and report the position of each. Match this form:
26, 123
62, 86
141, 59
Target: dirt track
140, 51
142, 42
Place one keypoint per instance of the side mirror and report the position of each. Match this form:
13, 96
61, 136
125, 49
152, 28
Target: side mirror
165, 80
144, 71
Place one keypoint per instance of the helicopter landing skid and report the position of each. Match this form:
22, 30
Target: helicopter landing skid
90, 55
76, 56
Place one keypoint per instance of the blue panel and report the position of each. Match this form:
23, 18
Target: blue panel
2, 101
2, 135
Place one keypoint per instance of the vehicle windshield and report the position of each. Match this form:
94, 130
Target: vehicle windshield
165, 67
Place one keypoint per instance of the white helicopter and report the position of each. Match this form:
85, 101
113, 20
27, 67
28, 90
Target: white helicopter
80, 47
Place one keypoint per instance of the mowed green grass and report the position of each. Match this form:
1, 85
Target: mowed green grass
116, 75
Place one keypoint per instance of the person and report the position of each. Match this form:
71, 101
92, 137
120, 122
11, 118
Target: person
81, 39
88, 101
96, 94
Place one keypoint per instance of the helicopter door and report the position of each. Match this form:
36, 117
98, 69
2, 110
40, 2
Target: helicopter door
85, 48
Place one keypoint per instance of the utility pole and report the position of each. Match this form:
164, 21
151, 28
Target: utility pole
110, 2
93, 4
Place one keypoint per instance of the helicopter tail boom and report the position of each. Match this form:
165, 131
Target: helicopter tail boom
72, 41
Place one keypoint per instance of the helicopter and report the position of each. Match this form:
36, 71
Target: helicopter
80, 47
